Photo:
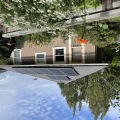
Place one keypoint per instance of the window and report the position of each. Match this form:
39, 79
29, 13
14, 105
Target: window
40, 58
17, 56
59, 54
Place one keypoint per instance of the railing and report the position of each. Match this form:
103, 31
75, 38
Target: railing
74, 42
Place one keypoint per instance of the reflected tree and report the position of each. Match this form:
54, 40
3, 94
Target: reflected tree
72, 93
99, 90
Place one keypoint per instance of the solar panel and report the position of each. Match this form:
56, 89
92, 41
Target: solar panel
53, 77
63, 77
27, 70
36, 71
45, 71
69, 71
19, 71
52, 73
56, 71
59, 77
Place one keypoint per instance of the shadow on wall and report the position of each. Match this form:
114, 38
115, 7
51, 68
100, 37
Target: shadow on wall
76, 58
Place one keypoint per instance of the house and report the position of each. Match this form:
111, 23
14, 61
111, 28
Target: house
58, 51
60, 61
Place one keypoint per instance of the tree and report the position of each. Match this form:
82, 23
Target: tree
38, 13
98, 89
112, 54
6, 47
100, 33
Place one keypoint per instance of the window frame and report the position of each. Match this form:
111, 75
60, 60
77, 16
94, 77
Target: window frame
54, 52
16, 57
40, 58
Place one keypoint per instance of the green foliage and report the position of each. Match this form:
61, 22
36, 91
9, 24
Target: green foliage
112, 54
2, 60
5, 49
98, 89
44, 37
36, 38
101, 33
116, 60
38, 13
116, 19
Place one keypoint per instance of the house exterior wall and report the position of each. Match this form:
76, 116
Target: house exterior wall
89, 53
28, 52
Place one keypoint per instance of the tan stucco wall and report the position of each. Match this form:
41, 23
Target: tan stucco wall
89, 53
28, 50
89, 48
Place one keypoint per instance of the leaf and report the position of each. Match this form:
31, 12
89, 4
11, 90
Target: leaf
89, 27
105, 26
100, 25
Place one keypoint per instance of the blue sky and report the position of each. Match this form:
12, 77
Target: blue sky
22, 98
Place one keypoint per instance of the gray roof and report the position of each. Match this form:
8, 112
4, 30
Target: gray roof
59, 73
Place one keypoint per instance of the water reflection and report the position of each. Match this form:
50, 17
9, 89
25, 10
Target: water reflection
100, 90
23, 98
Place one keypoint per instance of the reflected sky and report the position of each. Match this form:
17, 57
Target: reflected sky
23, 98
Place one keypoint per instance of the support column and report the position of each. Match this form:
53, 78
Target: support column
70, 49
83, 52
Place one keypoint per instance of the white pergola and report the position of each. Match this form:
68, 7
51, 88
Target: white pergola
91, 15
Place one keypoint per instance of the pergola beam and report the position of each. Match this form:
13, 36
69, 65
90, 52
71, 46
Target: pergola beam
91, 16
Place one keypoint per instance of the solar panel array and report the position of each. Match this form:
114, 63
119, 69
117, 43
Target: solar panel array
52, 73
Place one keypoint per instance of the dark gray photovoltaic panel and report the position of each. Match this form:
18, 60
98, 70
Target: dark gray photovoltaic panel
36, 71
19, 70
63, 77
45, 71
27, 70
56, 71
53, 73
59, 77
69, 71
53, 77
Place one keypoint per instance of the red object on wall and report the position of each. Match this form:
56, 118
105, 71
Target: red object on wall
82, 41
